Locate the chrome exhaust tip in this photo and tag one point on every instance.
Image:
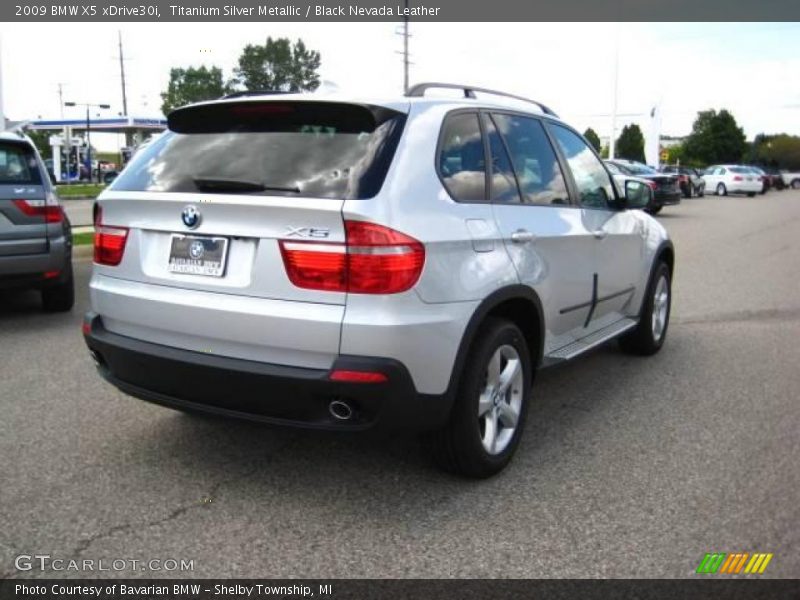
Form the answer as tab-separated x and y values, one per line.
341	410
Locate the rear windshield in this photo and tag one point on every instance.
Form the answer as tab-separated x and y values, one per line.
741	170
309	149
18	164
637	169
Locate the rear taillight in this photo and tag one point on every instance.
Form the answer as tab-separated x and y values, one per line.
373	260
738	178
316	266
49	209
653	185
109	242
683	179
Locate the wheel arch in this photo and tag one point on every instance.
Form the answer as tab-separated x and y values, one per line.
519	304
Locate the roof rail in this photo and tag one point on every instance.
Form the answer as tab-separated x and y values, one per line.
245	93
418	91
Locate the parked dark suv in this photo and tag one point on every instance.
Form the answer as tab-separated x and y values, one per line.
35	235
690	180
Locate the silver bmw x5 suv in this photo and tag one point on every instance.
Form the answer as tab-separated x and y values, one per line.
349	263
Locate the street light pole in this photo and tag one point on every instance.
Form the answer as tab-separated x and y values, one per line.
88	134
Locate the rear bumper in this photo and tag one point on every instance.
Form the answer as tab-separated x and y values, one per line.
269	393
746	188
665	198
28	270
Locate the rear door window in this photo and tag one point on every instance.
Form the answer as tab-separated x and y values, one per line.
309	149
535	163
18	164
503	179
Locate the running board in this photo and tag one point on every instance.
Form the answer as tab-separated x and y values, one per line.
585	344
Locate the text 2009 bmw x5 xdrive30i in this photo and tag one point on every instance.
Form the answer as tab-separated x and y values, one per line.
354	263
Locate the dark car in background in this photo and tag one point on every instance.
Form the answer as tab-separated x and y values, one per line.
35	234
775	178
690	180
666	189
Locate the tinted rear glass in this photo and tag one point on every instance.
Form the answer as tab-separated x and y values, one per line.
18	164
638	169
741	170
310	149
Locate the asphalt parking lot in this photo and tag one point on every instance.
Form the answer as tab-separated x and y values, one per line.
629	467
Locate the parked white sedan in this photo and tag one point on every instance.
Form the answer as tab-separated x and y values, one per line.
732	179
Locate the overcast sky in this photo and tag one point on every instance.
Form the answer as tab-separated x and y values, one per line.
750	68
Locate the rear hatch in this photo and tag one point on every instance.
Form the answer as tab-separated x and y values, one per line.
211	209
23	216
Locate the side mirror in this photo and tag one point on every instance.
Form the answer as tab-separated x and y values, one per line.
637	194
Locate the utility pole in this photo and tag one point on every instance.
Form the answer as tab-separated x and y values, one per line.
405	50
128	138
122	77
61	98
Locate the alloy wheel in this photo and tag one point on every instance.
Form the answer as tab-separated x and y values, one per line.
660	308
500	401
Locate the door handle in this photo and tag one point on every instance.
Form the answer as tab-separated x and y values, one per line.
600	234
522	236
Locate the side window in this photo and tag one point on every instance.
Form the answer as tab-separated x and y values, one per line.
721	171
594	185
461	159
504	184
534	160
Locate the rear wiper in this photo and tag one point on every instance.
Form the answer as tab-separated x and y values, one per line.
224	184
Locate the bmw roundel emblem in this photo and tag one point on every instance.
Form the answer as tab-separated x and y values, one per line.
197	249
191	217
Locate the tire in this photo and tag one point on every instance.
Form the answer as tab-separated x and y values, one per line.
751	194
654	210
721	190
60	297
795	184
702	191
649	335
479	444
689	191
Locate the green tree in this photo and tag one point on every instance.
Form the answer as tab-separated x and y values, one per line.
630	143
715	138
41	139
278	65
775	151
592	137
192	84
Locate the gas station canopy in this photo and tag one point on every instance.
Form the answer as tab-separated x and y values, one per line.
115	125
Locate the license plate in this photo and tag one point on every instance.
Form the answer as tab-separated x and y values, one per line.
194	255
